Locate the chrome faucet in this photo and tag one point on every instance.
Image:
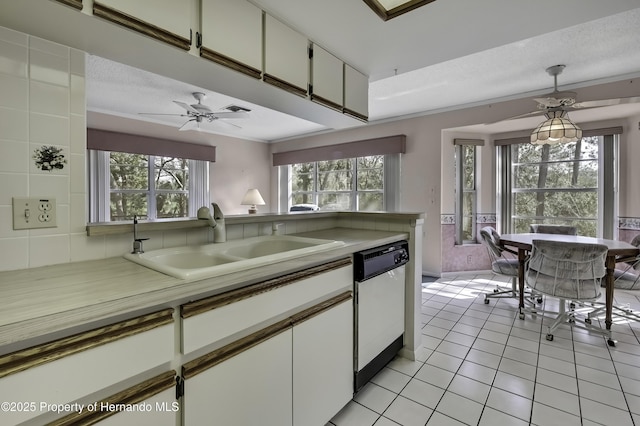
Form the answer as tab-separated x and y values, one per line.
216	222
137	242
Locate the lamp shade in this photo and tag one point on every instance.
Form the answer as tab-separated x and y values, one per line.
557	128
252	198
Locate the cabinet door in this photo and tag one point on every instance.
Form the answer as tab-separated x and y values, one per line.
161	19
327	73
248	389
63	371
232	34
323	365
286	57
159	410
356	93
232	313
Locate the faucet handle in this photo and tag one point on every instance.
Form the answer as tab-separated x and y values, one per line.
276	228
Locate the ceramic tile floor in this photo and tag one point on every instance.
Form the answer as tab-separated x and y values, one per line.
480	364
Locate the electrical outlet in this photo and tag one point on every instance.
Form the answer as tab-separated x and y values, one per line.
30	213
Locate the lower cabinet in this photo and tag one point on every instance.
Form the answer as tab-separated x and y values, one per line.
322	365
250	388
296	372
159	410
36	380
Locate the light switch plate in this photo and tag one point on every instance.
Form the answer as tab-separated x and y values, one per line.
30	213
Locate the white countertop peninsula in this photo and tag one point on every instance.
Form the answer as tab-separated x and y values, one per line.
45	303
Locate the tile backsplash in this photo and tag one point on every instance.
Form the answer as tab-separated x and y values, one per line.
42	105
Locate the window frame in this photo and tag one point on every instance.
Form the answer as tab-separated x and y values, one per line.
607	189
100	191
390	191
461	190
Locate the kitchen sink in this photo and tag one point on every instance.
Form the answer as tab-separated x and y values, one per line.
210	260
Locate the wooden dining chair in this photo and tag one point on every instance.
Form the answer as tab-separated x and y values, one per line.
552	229
570	272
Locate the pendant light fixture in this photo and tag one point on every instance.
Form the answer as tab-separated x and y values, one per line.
557	128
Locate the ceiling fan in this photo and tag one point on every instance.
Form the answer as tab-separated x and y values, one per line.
200	112
558	103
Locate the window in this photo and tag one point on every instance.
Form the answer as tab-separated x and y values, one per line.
571	184
466	197
346	184
154	187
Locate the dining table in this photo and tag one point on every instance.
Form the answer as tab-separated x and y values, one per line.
617	251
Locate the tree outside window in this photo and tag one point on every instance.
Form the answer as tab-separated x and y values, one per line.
556	184
465	164
345	184
149	186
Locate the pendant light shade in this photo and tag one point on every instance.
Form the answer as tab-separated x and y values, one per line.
558	128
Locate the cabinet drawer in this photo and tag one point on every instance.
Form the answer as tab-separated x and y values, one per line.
234	312
70	368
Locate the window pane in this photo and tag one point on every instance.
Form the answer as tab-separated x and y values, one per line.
172	205
128	171
302	198
468	202
467	229
370	172
572	174
335	175
334	181
333	201
125	205
171	173
370	201
469	165
557	204
302	177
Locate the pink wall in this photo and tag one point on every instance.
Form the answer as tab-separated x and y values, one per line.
240	165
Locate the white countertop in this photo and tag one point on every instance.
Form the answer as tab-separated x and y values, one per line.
65	298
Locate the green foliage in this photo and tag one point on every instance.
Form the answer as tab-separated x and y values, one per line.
331	183
131	191
556	184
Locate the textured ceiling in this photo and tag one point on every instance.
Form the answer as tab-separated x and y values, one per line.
449	54
418	62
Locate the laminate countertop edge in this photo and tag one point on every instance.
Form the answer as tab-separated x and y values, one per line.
58	300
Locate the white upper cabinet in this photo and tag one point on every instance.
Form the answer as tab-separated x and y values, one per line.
232	35
286	57
161	19
356	93
327	78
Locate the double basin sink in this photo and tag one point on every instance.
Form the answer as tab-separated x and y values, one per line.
210	260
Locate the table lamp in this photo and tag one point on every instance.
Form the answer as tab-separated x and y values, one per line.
252	198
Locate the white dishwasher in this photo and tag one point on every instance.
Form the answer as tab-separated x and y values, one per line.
379	283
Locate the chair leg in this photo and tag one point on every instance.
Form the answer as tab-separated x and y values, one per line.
565	315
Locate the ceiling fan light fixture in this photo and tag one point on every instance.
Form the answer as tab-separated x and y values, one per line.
557	128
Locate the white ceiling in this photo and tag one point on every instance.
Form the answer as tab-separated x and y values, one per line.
446	55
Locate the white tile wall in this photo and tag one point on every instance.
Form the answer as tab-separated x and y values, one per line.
42	103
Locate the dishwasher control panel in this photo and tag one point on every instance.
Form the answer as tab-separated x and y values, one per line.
378	260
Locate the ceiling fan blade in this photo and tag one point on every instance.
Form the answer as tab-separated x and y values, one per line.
189	125
230	114
156	113
528	114
606	102
187	107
